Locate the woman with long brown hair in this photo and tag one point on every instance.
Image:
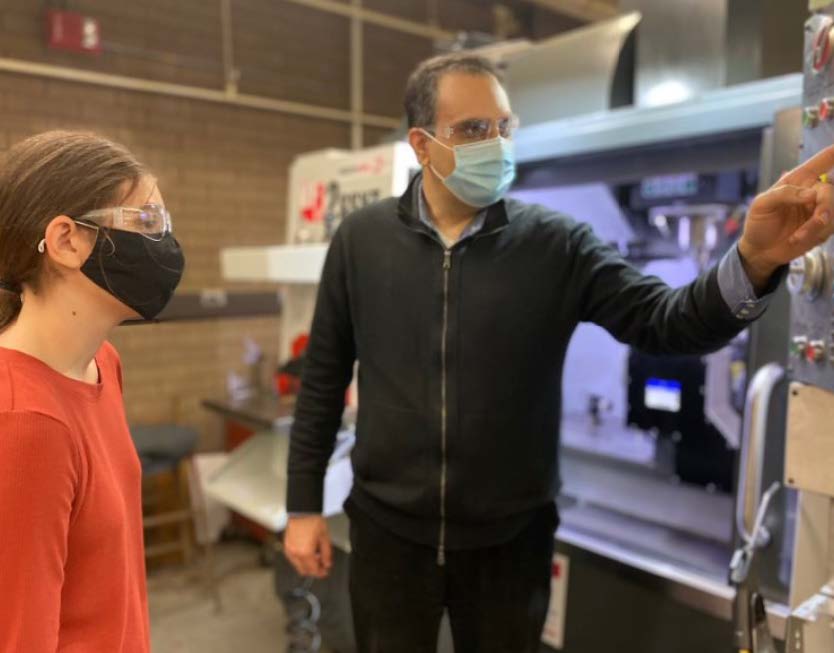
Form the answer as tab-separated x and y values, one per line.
85	244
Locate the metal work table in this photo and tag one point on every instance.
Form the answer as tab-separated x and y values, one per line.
261	411
253	481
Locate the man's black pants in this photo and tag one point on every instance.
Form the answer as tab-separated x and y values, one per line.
497	597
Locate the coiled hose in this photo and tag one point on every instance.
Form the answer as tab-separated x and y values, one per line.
303	613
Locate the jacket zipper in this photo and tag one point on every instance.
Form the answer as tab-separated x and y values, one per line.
447	266
441	547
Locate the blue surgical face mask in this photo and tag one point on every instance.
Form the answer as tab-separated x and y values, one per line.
484	171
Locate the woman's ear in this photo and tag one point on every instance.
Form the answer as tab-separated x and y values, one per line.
67	244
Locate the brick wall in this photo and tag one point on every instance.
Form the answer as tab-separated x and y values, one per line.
222	169
155	39
289	51
385	77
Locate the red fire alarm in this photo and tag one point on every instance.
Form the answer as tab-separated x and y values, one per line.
67	30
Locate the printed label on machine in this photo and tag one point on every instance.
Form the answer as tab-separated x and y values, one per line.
554	626
328	185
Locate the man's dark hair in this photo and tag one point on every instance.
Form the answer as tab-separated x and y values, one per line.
421	89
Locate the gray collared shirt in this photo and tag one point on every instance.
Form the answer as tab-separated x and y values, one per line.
733	282
425	217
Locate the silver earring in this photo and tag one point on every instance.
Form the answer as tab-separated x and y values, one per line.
42	246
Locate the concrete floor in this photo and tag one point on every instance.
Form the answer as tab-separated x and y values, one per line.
183	619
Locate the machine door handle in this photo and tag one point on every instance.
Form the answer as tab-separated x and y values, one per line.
754	432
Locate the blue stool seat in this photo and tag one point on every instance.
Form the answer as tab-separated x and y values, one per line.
161	447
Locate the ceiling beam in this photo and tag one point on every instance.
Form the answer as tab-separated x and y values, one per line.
587	10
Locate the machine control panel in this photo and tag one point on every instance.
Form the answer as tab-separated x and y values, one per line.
811	116
808	275
826	110
811	277
815	351
811	351
822	45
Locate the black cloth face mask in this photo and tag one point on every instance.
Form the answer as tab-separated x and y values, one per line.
141	273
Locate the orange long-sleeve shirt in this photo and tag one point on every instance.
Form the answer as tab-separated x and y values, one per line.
72	568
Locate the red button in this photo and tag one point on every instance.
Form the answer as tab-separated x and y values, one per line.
826	108
822	47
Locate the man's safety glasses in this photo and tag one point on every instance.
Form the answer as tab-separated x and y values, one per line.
479	129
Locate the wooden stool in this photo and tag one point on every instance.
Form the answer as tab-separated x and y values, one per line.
163	450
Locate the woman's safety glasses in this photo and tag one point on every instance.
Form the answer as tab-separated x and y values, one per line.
151	220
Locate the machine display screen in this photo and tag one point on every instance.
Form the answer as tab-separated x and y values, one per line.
669	186
663	394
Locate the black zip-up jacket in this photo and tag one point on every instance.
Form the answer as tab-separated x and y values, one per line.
460	362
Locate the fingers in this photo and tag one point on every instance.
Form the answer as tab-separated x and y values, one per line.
325	552
816	230
300	561
781	195
822	162
307	547
824	195
308	564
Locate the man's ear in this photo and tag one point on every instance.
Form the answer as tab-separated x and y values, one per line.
419	142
